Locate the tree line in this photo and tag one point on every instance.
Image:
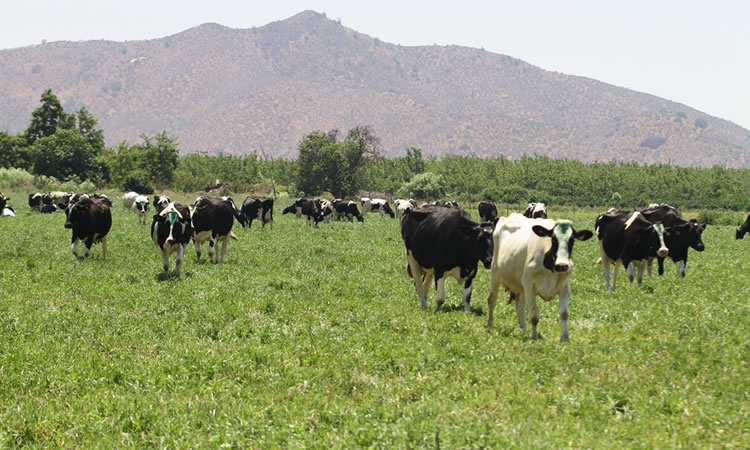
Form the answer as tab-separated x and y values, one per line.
69	147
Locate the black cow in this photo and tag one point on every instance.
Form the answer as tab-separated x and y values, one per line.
536	210
294	209
160	202
628	237
744	228
487	211
90	219
347	209
444	242
257	208
212	220
680	234
171	231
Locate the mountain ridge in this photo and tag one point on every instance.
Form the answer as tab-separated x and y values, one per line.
229	90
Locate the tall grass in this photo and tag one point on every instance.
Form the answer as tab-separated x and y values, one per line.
314	338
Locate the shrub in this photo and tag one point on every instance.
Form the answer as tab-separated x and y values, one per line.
138	183
14	178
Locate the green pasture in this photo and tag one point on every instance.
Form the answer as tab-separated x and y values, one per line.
314	338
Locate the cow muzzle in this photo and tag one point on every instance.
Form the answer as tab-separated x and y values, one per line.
562	267
700	247
662	252
68	225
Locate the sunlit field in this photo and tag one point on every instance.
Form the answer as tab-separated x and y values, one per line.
314	338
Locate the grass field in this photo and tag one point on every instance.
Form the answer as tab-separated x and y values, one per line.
314	338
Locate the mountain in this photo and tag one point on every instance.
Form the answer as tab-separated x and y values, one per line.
236	91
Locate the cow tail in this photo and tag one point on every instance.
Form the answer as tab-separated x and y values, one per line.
233	236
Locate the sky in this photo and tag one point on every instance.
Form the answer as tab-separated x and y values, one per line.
695	52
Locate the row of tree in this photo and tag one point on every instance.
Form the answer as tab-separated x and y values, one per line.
70	147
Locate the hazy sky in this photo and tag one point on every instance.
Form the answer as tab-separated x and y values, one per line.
696	52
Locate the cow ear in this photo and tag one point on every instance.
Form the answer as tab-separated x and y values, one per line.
541	231
584	235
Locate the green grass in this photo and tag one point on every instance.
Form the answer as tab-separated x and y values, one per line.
314	338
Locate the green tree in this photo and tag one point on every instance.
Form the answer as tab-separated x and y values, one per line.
66	154
159	158
14	152
47	119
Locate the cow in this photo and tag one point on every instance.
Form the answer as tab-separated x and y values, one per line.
212	219
90	219
487	211
171	231
60	199
257	208
101	197
402	206
532	257
294	209
444	203
680	234
346	209
35	201
744	228
376	205
160	202
444	242
5	210
128	199
536	210
627	237
140	208
326	209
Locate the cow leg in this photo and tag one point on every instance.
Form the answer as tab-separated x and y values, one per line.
649	263
467	293
225	241
416	273
683	263
614	275
605	264
661	266
104	248
212	247
492	300
427	281
533	311
439	292
197	249
564	300
178	260
165	261
74	246
641	265
87	245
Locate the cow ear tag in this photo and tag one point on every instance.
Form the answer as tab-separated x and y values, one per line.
172	217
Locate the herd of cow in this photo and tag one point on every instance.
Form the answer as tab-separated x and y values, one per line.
528	254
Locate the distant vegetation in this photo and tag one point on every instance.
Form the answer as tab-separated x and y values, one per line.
60	148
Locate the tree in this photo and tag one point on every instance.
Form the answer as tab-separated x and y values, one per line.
14	152
160	157
66	154
47	119
86	124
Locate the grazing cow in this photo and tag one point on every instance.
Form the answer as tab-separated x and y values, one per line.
257	208
212	219
346	209
402	206
533	257
161	202
487	211
90	219
744	228
128	199
444	242
536	210
680	234
627	237
140	207
293	208
171	231
376	205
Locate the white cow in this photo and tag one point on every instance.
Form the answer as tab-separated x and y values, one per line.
532	257
128	199
140	208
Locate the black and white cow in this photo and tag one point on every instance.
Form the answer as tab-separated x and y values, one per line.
536	210
444	242
35	201
60	199
257	208
90	219
161	202
744	228
487	211
680	234
293	209
629	238
402	206
101	197
5	209
532	257
346	209
140	207
376	205
171	231
212	219
326	210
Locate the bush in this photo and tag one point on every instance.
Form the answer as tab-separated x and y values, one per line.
137	183
14	178
425	185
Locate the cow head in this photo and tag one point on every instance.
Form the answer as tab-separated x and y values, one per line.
78	212
3	201
178	225
563	235
689	232
482	237
142	206
745	228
